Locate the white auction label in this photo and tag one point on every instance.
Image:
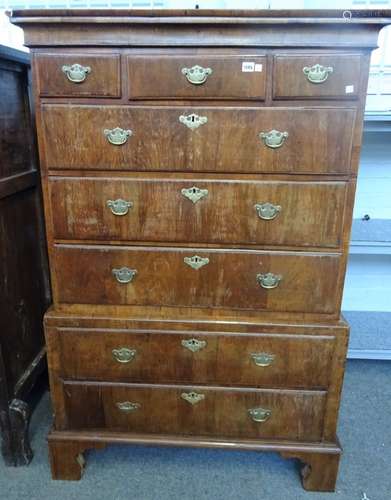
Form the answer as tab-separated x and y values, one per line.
258	67
349	89
248	67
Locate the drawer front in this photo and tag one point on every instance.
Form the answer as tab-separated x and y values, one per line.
195	410
317	76
221	140
196	76
198	210
271	281
287	361
77	75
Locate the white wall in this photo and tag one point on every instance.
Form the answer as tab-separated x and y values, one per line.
10	35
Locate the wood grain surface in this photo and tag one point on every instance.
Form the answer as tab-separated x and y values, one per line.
298	361
290	81
310	213
104	79
222	412
85	275
319	140
136	83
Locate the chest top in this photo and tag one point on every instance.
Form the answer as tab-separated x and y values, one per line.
183	28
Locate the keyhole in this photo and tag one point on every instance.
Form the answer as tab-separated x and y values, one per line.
193	119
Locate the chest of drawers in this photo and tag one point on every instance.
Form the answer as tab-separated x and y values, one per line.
199	173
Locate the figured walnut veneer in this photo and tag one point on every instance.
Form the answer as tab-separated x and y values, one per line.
198	232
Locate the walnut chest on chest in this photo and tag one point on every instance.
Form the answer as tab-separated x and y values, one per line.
199	170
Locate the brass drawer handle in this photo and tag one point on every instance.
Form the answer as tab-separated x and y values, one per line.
76	73
259	414
124	274
267	211
124	354
194	193
273	139
117	136
269	280
196	262
317	73
193	345
262	359
197	75
193	121
192	397
128	406
119	207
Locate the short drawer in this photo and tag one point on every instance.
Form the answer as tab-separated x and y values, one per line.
175	138
317	76
201	76
204	210
78	75
255	360
238	279
195	410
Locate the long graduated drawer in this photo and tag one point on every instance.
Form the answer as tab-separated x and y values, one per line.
223	358
199	210
195	410
239	279
204	139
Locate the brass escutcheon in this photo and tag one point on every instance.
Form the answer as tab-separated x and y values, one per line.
193	121
76	73
197	75
196	262
259	414
193	345
119	207
269	280
124	354
267	211
194	193
317	73
262	359
192	397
